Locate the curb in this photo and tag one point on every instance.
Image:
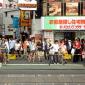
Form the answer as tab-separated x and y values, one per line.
43	67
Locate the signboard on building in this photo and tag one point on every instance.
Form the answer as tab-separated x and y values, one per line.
1	4
27	4
24	19
63	23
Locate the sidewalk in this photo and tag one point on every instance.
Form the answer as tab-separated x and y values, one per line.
43	67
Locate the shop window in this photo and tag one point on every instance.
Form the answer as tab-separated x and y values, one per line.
69	35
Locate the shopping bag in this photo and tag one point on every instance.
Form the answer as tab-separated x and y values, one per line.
67	56
12	56
72	51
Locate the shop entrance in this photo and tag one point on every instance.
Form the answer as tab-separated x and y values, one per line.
62	35
58	35
69	35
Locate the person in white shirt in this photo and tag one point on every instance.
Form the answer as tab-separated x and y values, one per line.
54	52
56	49
12	45
7	45
17	48
32	47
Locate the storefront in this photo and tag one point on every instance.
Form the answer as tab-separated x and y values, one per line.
27	10
61	27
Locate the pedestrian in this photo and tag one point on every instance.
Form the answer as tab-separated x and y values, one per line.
64	52
83	55
7	46
77	46
32	46
45	48
39	50
25	45
51	53
3	51
56	49
12	45
17	48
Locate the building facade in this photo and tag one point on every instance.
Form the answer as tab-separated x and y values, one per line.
63	9
31	20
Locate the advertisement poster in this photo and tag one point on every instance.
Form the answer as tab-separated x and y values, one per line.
54	8
71	9
71	0
49	1
83	8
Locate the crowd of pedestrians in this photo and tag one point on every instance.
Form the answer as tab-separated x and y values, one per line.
59	51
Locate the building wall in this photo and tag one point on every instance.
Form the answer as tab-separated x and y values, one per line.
7	20
1	19
73	8
36	26
7	4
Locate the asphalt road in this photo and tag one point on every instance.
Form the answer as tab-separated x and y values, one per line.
42	77
68	74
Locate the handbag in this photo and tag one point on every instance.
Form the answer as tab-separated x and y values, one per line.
72	51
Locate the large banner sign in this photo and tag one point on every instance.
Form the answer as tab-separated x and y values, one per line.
27	4
1	4
63	23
